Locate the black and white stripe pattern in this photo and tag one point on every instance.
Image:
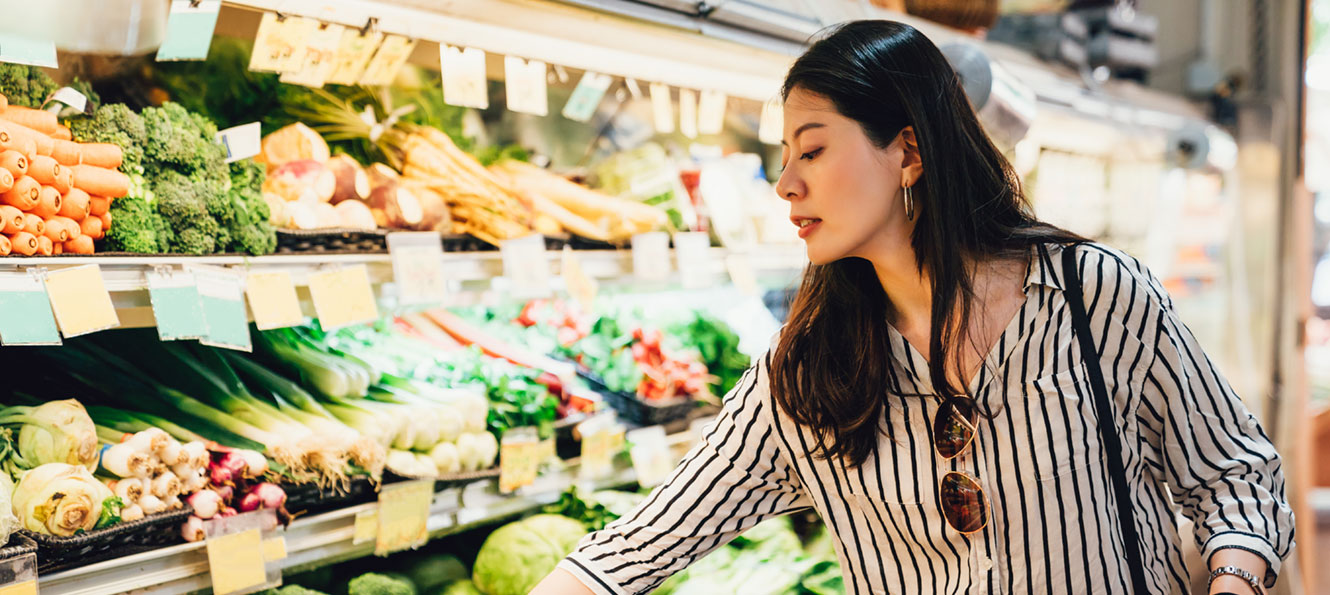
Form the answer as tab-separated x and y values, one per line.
1187	439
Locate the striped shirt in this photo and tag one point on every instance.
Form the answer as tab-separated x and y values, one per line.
1188	444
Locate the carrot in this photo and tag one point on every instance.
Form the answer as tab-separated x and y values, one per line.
23	194
79	245
101	181
92	226
98	205
12	220
34	225
24	243
14	137
45	246
57	230
106	221
5	246
49	202
75	204
63	133
70	226
4	102
102	155
41	121
42	168
6	180
64	180
67	152
57	247
43	145
15	162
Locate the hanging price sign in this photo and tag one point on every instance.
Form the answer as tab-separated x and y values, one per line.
279	43
222	296
417	266
80	300
403	516
241	142
688	113
526	266
586	96
519	459
343	297
176	304
464	82
353	55
580	285
651	256
189	30
711	112
524	83
392	54
17	49
237	553
662	108
273	300
25	311
319	57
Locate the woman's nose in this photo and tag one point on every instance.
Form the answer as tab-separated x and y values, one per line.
789	186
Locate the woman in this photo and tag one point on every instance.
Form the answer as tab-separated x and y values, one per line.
974	464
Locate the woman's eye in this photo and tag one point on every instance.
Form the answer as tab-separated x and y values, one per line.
811	154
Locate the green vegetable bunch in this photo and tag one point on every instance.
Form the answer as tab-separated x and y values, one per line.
23	85
718	347
373	583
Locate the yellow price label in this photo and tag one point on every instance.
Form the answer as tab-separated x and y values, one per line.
235	561
274	549
273	301
80	301
597	455
343	297
28	587
367	526
518	464
580	285
403	516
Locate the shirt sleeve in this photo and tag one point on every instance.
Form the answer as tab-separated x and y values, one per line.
1221	466
735	478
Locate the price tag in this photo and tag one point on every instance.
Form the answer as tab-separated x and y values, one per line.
392	54
24	50
586	96
740	267
71	98
651	256
80	300
189	30
693	251
599	439
319	57
274	549
526	266
353	55
367	527
711	112
235	561
634	90
278	44
18	576
417	267
580	285
464	82
273	301
688	113
652	461
771	126
25	311
524	83
403	515
662	108
241	142
343	297
519	459
176	305
222	295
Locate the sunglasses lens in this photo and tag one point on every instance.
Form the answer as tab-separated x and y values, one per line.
963	503
953	427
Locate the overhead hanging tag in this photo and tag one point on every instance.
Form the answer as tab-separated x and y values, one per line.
662	108
688	113
189	30
277	44
524	82
354	53
711	112
464	82
770	126
23	50
319	57
392	54
587	96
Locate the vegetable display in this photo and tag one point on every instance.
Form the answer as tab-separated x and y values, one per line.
516	556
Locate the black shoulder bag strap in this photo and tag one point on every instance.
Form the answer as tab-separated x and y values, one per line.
1107	427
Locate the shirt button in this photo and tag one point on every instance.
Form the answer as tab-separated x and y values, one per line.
1251	423
986	564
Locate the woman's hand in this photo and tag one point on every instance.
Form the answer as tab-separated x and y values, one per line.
561	582
1243	559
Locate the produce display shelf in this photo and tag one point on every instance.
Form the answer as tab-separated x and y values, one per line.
125	280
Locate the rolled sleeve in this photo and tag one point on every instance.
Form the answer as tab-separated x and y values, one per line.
735	478
1221	466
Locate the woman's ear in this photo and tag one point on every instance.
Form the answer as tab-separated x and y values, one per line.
912	165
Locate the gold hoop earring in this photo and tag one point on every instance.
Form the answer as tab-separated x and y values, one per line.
909	203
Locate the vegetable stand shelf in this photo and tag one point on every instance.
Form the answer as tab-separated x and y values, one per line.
327	538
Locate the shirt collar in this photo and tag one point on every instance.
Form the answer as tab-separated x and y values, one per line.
1044	267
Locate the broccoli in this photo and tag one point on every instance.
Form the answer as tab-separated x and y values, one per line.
183	202
118	125
184	140
293	590
247	225
135	227
24	85
379	584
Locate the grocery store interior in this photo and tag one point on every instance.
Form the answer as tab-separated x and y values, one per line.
408	296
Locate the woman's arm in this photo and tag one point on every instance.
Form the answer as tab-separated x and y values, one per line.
1242	559
733	479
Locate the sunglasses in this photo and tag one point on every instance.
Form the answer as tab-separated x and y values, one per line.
964	504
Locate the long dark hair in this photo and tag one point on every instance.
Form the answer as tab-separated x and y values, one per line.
830	370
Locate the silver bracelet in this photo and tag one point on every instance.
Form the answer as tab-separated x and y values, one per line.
1240	573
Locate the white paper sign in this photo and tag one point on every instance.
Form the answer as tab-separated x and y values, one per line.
241	142
772	124
662	108
278	44
688	113
711	112
464	82
693	251
651	256
524	82
71	98
353	55
319	58
526	267
417	267
586	96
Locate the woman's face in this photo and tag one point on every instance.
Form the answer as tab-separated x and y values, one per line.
844	191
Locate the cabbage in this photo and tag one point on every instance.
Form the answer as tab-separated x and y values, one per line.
518	555
462	587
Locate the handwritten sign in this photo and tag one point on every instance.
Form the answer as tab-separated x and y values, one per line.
343	297
417	267
279	41
392	54
319	57
273	300
464	82
524	83
403	515
353	55
519	459
662	108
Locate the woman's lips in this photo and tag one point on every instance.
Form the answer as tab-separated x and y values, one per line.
807	227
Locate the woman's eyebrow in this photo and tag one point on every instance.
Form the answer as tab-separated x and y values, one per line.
801	129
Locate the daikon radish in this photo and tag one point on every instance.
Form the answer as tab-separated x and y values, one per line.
49	203
76	204
100	181
24	243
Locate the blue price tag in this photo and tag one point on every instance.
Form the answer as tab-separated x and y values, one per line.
176	305
25	311
586	96
222	298
189	30
23	50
